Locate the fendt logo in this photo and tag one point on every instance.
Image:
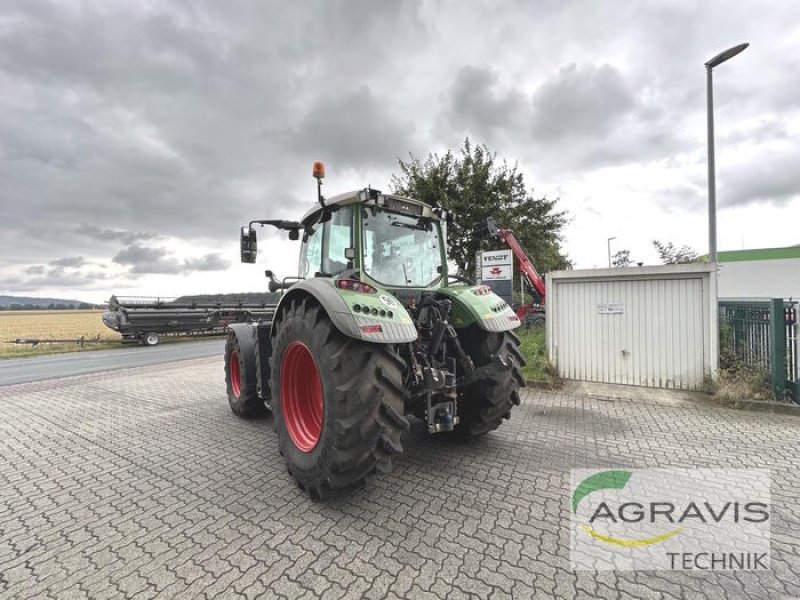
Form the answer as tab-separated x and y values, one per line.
495	270
671	519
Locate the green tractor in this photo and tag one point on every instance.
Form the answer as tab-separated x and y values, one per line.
372	329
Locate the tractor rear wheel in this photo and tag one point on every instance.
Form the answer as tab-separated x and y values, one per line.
485	403
338	401
240	372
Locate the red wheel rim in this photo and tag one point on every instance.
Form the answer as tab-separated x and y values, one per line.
236	375
301	396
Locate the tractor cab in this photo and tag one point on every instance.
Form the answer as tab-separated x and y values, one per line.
388	241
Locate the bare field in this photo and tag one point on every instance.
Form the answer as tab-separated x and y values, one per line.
52	324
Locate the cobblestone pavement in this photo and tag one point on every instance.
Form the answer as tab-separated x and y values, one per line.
142	483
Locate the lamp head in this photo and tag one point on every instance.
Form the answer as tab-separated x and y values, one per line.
726	55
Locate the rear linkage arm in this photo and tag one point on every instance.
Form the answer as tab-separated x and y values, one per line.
437	380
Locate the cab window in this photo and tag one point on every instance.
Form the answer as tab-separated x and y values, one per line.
311	254
401	250
338	236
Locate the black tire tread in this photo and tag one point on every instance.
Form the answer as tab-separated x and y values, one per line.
365	381
487	402
248	404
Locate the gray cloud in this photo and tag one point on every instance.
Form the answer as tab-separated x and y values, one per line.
157	260
585	101
143	259
475	103
353	128
144	121
209	262
91	280
114	235
773	179
582	117
682	196
69	262
67	272
767	130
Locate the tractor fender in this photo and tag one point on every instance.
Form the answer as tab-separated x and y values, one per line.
338	304
487	310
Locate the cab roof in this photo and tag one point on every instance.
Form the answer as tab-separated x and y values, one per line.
372	197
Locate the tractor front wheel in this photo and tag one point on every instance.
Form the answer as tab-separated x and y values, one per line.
338	401
485	403
240	372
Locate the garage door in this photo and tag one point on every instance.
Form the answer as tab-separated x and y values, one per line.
647	332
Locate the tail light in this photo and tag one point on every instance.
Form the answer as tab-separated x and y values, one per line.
355	286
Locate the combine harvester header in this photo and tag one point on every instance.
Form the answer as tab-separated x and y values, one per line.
146	319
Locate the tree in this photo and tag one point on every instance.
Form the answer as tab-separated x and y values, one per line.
670	255
475	185
622	258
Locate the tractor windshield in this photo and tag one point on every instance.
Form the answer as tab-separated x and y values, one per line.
401	250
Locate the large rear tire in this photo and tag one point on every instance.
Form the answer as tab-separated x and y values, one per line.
240	372
484	404
338	401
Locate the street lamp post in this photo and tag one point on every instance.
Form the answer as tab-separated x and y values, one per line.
609	250
712	186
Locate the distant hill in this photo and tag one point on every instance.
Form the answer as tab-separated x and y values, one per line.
32	303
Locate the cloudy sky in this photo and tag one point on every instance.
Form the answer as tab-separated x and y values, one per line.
135	137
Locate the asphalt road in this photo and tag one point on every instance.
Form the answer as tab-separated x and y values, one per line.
29	369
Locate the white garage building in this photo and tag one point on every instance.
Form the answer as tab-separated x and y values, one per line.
760	273
648	326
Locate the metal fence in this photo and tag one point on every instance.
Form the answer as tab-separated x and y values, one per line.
792	357
763	334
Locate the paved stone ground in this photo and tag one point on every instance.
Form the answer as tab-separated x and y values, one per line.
142	484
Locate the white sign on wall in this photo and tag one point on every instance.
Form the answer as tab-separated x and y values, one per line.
611	308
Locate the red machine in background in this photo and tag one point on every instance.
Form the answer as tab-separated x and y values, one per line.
531	314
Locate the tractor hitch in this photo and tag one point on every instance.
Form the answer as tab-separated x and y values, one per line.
441	415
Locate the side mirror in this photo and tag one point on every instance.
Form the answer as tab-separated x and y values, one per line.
248	245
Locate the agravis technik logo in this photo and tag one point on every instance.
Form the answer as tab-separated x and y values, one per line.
670	519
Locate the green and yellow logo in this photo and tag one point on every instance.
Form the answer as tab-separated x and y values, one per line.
610	480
